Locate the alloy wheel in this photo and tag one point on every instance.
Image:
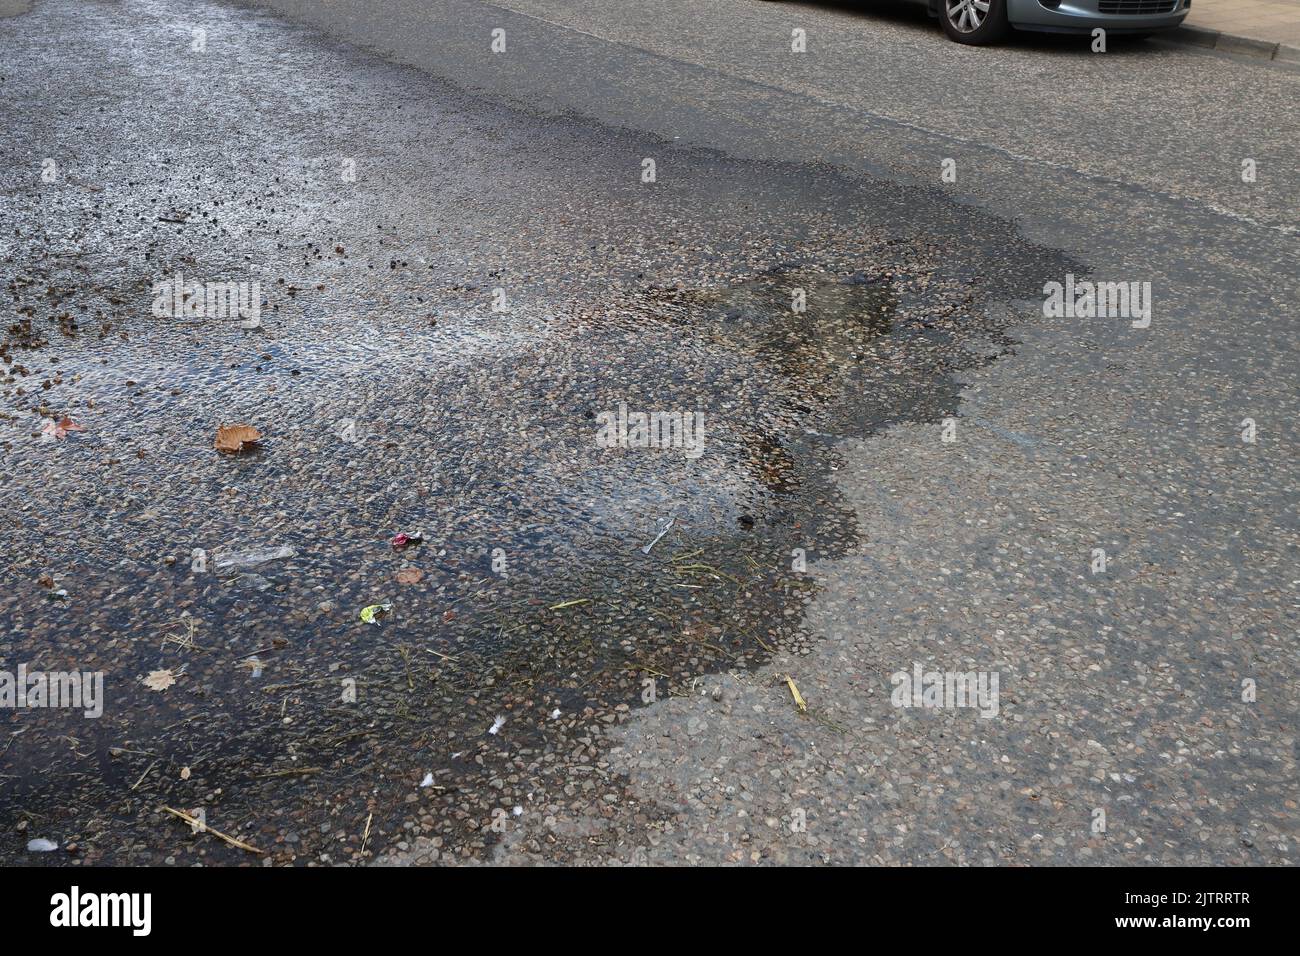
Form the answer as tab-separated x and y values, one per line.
967	16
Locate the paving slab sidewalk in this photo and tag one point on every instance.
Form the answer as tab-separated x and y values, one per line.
1269	29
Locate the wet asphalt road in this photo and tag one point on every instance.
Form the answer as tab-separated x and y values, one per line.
393	397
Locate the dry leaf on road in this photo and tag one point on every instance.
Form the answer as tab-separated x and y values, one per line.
60	429
160	680
232	439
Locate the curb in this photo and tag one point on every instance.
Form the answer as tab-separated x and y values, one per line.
1231	43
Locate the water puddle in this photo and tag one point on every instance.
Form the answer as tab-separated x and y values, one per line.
531	591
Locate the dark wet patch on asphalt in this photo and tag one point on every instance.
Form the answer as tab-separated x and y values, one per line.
393	398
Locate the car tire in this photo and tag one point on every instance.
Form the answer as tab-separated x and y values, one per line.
965	22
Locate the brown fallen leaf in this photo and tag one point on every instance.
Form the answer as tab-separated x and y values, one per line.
232	439
60	429
409	576
160	680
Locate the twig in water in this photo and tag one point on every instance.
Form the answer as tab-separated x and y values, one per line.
709	569
287	773
145	774
275	645
562	604
204	828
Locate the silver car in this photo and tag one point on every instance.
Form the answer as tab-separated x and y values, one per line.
984	21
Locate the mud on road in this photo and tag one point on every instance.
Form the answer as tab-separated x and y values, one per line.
392	396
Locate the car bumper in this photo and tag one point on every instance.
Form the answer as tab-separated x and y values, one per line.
1083	16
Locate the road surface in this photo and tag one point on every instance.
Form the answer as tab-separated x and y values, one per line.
465	258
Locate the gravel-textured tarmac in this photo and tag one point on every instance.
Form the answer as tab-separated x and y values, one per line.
1119	691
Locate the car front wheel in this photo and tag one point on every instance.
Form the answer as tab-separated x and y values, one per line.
974	21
